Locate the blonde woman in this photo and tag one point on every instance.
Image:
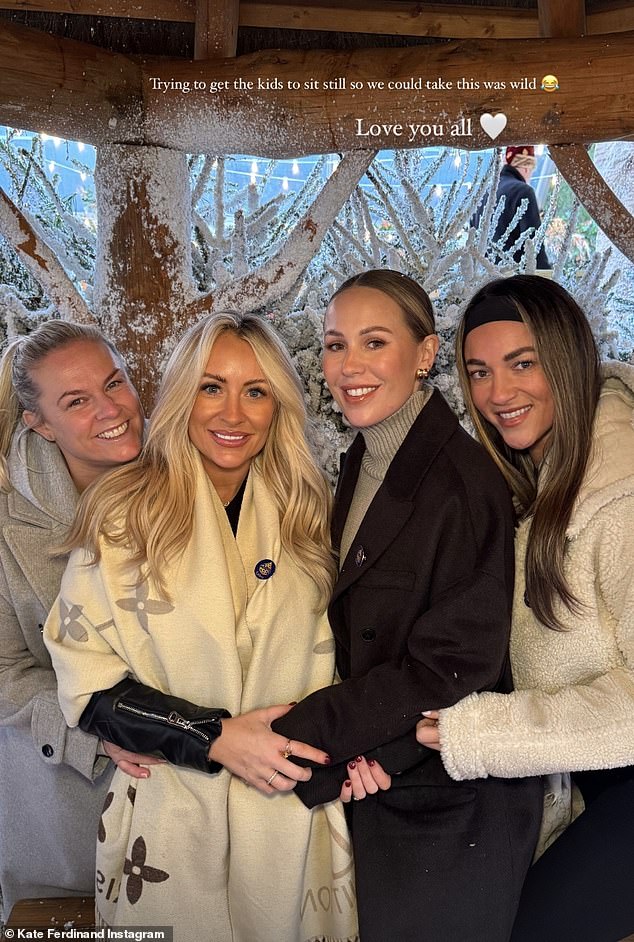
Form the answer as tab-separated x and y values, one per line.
200	575
69	413
421	616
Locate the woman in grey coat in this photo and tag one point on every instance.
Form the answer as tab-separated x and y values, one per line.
69	413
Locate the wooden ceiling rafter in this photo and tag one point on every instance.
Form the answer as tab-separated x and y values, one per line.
398	17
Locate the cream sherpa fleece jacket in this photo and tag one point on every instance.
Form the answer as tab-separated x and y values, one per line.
573	707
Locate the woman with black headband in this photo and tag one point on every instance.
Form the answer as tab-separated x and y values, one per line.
421	617
560	426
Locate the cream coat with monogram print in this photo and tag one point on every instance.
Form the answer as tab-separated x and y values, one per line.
217	860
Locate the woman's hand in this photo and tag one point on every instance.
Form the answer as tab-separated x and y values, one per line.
364	778
427	730
249	748
132	763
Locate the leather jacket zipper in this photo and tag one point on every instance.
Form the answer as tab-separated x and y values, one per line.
172	719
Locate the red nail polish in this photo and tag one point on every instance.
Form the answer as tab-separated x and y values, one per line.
293	703
352	765
371	762
359	759
327	760
348	784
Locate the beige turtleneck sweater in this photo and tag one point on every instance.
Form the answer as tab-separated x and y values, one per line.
382	441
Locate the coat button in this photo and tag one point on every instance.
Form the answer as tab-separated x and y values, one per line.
368	634
48	751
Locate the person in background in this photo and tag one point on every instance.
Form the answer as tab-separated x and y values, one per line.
514	186
69	413
561	429
420	611
200	575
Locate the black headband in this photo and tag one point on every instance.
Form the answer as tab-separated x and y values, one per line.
489	309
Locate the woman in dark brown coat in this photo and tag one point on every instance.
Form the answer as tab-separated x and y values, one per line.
421	615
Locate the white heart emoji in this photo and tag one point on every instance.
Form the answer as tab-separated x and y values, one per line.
493	124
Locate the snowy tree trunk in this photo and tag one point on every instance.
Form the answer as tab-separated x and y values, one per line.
143	276
615	161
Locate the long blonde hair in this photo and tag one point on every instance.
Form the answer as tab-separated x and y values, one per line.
148	505
569	358
18	388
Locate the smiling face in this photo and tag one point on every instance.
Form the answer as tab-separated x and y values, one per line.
88	407
508	385
232	413
371	356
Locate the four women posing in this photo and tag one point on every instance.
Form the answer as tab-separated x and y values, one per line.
199	571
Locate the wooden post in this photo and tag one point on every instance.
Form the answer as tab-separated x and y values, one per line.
216	30
563	18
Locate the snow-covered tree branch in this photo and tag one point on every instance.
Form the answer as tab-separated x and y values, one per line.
25	237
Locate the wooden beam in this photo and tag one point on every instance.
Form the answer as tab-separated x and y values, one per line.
564	18
287	103
216	33
453	21
397	17
601	202
618	18
182	12
85	92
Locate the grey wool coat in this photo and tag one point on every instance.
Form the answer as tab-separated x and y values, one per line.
51	789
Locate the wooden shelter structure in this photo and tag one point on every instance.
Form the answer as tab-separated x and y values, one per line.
149	81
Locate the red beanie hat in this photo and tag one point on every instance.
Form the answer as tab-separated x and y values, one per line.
524	150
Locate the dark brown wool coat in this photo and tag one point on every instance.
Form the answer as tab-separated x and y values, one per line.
421	618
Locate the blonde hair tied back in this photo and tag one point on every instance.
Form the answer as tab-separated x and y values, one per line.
19	391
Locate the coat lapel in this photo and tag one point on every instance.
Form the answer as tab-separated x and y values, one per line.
393	503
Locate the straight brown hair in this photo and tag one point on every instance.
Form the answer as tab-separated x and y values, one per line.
569	358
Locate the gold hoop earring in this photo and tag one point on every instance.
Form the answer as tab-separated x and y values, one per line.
422	373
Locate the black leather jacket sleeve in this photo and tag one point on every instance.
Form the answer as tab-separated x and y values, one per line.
141	719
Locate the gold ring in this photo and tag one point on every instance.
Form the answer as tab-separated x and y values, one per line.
287	751
269	780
